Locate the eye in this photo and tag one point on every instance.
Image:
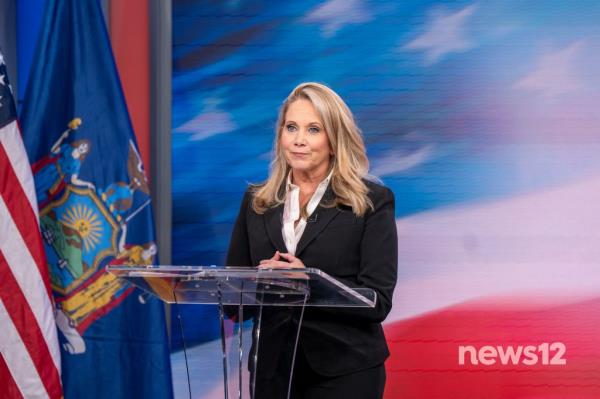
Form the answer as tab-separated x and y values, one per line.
291	128
314	130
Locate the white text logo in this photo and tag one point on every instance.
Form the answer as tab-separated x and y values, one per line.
528	355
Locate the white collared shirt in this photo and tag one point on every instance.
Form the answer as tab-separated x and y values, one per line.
291	211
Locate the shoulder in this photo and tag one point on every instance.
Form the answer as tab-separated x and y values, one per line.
248	198
378	193
249	193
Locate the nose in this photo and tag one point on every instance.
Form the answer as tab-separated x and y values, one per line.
300	138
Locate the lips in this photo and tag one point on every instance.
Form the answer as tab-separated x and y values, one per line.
300	154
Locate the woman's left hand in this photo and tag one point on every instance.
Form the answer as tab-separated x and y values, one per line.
281	261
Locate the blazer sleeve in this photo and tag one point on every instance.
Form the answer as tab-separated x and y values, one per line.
239	246
378	260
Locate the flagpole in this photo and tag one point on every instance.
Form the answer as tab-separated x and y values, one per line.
160	123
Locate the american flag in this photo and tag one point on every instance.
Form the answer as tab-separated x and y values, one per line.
29	352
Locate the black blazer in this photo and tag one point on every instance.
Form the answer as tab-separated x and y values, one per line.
358	251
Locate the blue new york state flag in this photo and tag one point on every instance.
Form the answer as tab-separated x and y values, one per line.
95	210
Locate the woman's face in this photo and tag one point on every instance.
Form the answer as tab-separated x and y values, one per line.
83	148
304	140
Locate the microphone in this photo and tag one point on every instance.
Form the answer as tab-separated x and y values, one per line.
312	218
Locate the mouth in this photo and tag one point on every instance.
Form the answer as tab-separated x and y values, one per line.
299	154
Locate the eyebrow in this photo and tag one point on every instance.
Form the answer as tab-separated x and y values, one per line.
309	124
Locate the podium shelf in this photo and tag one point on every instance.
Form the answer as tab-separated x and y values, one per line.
245	286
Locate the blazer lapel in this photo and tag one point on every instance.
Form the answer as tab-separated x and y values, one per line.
319	219
273	218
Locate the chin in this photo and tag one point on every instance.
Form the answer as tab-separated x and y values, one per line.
297	168
299	165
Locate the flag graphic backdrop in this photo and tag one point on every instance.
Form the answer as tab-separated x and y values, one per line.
29	354
481	116
95	210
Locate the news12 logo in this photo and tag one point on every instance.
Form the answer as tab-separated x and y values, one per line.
529	355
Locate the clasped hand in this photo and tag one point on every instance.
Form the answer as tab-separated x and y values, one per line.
281	261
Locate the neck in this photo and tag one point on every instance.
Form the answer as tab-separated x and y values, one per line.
308	179
308	183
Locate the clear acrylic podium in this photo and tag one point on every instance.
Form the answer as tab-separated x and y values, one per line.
273	299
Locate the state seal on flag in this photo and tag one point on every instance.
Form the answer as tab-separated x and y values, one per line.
84	229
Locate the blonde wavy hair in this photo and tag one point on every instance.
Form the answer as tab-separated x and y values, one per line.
349	160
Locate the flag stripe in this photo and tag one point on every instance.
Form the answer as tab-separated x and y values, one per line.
17	358
11	140
30	355
29	280
17	201
23	322
9	386
22	242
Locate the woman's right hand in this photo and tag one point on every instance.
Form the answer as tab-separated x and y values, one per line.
281	261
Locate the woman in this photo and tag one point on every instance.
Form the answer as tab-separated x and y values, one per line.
62	166
317	209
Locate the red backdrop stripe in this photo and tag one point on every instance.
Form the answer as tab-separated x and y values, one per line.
129	31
